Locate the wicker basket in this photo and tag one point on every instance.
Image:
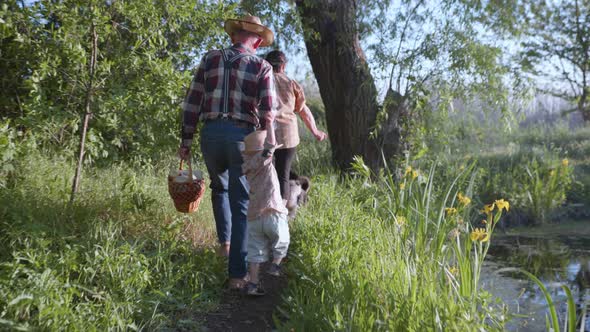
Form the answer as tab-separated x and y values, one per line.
186	195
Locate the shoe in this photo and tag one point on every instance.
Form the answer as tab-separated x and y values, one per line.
253	289
274	270
236	283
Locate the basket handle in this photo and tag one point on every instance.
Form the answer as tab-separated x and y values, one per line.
190	168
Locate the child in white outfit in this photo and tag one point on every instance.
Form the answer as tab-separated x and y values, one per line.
268	228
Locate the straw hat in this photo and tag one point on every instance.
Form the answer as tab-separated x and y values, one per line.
255	141
252	24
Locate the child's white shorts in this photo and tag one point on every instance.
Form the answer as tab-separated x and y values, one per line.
269	232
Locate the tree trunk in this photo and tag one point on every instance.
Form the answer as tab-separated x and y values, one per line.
582	107
345	82
87	111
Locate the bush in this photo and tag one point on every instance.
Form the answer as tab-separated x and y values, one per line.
11	147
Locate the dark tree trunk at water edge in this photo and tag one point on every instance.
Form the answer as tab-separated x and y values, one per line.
345	82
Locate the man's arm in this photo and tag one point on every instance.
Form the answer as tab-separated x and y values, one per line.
191	108
267	106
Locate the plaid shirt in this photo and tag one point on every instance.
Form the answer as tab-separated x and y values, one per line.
251	90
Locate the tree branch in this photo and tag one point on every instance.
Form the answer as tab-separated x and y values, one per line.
402	39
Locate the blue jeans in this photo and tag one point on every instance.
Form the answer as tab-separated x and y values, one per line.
222	143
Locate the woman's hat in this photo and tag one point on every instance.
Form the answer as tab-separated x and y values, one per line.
252	24
255	141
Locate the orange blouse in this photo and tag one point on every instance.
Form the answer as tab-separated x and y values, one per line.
291	101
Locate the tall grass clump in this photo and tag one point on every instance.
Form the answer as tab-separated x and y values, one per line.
119	258
536	181
392	252
541	169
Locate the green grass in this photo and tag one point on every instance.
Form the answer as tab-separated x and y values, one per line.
368	253
370	256
119	258
577	228
526	166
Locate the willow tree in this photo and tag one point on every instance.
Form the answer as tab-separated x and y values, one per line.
430	48
381	64
556	48
345	81
553	43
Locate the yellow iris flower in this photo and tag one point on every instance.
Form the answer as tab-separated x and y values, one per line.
408	170
502	204
479	234
463	199
485	237
414	174
488	208
565	162
450	211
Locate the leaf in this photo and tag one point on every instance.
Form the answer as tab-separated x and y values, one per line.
14	326
571	310
20	298
552	311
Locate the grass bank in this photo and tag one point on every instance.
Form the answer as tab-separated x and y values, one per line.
400	251
119	258
394	254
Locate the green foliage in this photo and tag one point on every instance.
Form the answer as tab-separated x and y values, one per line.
15	53
571	144
384	257
8	150
12	147
120	258
536	182
540	169
145	52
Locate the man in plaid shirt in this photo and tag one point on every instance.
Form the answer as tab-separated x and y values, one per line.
233	93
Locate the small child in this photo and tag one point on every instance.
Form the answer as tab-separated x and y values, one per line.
268	228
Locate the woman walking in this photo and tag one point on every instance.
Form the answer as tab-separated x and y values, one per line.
291	101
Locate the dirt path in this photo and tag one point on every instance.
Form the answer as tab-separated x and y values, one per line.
238	312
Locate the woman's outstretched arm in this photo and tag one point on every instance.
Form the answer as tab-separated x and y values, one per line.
309	121
305	114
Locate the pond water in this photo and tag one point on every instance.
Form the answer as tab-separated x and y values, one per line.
555	260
